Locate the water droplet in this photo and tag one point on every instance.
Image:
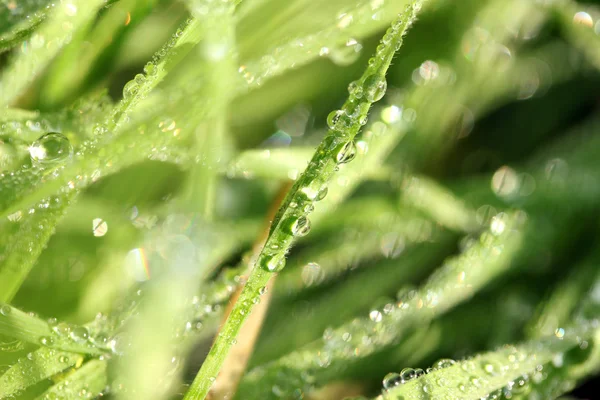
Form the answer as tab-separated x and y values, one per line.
333	118
322	193
375	316
443	363
583	18
51	148
391	380
311	274
375	87
130	89
5	310
274	264
99	227
262	290
301	226
79	334
408	374
46	341
346	153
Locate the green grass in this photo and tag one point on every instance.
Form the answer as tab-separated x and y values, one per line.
261	199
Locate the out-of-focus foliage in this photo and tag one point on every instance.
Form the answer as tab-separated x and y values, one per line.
146	144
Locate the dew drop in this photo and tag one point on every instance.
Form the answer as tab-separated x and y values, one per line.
443	363
375	316
51	148
79	334
333	118
408	374
346	153
391	380
273	264
322	193
375	87
5	310
99	227
301	227
130	89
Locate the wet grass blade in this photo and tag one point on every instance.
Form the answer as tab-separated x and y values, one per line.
47	41
337	148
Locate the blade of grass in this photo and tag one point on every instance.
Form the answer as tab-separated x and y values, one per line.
489	372
337	147
22	326
72	67
14	28
89	381
38	51
37	366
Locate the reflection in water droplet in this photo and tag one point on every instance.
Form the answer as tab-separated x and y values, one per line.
346	153
99	227
391	380
50	149
583	18
311	274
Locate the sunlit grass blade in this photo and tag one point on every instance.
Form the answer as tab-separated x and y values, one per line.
39	365
438	203
504	372
17	26
278	163
47	41
88	381
22	326
373	229
24	236
291	221
72	67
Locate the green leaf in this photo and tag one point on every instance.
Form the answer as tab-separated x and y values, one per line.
23	237
499	371
18	20
338	147
37	366
88	381
22	326
39	50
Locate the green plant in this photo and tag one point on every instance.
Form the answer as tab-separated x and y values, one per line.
136	228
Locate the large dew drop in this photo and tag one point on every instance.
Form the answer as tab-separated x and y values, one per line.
273	264
51	148
375	87
391	380
301	226
346	153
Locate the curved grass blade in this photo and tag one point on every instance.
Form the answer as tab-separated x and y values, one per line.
89	381
338	147
378	230
37	366
498	373
439	203
39	50
22	326
73	66
24	236
18	21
